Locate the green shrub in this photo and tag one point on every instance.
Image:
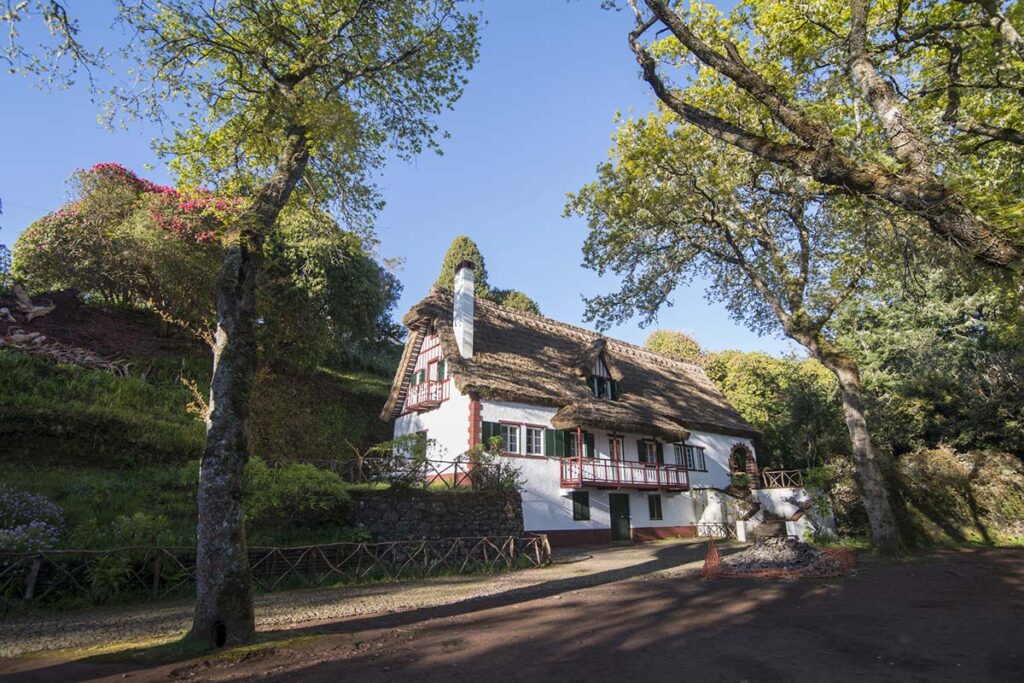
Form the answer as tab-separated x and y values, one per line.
296	501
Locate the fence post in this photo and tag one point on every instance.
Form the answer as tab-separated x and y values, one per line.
155	589
30	580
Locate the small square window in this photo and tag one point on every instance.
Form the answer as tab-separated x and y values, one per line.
510	438
654	506
580	505
534	441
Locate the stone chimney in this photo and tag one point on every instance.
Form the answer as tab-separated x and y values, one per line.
462	310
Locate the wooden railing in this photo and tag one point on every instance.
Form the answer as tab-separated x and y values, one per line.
716	530
412	472
77	578
427	395
578	472
781	479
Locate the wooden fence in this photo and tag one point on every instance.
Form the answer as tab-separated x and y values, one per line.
716	530
78	577
418	473
784	479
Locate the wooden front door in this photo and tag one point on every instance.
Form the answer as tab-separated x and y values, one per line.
618	505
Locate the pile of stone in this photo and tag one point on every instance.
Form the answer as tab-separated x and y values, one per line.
780	557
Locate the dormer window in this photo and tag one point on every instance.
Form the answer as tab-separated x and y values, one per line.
601	383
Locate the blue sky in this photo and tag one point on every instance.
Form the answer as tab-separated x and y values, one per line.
535	121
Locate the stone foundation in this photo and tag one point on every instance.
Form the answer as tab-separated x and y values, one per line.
411	514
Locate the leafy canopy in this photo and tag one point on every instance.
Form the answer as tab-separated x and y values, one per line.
675	344
462	249
243	80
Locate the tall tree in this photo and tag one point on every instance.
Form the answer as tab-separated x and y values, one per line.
462	249
675	344
284	102
674	204
916	103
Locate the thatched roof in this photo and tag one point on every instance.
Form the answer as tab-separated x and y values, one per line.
530	359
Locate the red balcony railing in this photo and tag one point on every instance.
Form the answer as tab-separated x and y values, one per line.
578	472
427	395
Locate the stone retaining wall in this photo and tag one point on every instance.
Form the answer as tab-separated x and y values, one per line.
413	514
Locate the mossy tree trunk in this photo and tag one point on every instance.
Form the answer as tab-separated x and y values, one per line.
224	597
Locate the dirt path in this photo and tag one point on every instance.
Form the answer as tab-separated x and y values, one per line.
84	628
955	615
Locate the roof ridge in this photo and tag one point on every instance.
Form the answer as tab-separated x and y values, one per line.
592	334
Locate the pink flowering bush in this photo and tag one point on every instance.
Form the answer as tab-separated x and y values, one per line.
126	240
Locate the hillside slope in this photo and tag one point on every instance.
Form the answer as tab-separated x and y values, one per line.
61	413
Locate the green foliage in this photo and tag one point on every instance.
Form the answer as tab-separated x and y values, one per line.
951	497
242	80
793	402
64	413
674	344
964	78
6	278
124	240
293	495
495	473
462	249
108	576
942	357
516	300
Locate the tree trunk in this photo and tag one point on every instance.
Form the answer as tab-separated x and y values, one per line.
224	603
885	534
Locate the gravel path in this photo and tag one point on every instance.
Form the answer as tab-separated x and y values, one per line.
573	569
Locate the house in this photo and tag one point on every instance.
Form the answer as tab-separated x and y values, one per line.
614	442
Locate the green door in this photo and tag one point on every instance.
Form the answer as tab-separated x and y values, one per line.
618	504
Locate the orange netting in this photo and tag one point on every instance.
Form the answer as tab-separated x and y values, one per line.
832	562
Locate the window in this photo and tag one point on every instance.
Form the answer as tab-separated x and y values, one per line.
510	438
650	452
534	441
654	506
572	448
603	387
691	457
615	447
580	505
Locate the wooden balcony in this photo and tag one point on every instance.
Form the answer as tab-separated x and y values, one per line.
427	395
600	473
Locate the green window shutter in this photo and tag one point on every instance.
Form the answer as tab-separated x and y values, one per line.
440	369
641	450
614	388
549	442
660	450
489	431
588	445
581	505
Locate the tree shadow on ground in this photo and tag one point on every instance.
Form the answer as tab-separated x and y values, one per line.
954	616
668	557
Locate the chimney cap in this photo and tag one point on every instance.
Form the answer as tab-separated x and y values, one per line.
465	264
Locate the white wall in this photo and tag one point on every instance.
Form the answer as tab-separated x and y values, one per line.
774	501
547	506
447	425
